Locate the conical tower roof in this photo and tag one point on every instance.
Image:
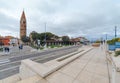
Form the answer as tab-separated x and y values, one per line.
23	15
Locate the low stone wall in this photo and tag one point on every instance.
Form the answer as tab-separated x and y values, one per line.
12	79
33	72
114	60
96	44
30	68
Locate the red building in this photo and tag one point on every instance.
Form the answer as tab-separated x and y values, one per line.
4	41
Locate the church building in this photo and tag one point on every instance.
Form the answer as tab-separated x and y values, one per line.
23	25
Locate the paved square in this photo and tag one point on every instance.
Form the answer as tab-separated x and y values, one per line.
89	68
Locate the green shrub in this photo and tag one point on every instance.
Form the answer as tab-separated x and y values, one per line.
59	46
98	41
52	46
41	48
117	53
1	49
112	42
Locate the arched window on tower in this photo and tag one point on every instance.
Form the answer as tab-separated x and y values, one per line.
24	22
24	25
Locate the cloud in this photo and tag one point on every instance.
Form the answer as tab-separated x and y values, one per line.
90	18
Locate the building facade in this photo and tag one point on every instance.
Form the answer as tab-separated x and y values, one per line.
4	41
23	25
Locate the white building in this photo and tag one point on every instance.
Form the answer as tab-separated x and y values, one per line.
13	41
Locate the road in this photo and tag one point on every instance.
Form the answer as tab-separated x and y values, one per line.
10	65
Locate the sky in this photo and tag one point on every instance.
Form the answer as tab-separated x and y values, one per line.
88	18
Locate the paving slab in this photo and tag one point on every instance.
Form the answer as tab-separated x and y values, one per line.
89	68
99	79
59	77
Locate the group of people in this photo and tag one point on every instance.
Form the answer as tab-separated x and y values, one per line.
7	49
20	47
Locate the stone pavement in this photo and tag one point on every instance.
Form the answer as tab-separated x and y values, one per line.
14	51
114	67
27	50
90	68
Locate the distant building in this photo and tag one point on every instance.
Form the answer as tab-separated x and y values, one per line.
79	40
4	41
23	25
14	41
8	40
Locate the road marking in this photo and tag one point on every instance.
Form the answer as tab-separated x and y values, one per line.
14	67
28	58
32	58
38	59
4	61
51	50
19	65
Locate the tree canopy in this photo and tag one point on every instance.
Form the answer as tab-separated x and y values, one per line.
113	41
25	39
65	38
41	36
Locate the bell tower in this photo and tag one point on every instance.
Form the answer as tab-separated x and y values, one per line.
23	25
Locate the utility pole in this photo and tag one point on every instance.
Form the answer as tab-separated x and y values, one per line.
115	31
106	46
45	35
106	37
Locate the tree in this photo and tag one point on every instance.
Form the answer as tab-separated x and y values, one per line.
25	39
112	42
49	36
35	35
65	38
98	41
41	36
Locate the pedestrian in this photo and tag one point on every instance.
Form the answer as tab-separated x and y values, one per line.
19	47
5	49
8	49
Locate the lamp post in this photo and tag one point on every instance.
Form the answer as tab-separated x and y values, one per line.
115	31
106	37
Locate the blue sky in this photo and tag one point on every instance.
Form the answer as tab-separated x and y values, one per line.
89	18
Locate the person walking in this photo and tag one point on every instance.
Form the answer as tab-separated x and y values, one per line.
19	47
8	49
5	49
